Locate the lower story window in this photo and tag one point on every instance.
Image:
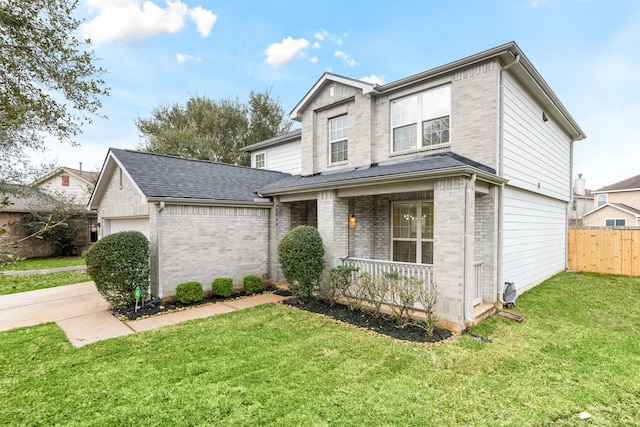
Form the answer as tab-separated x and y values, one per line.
615	222
413	232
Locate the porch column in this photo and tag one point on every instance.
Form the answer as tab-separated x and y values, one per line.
453	238
333	225
279	225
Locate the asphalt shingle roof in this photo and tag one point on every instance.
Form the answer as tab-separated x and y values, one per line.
175	177
627	184
426	163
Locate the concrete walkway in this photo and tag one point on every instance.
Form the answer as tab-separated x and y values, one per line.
50	270
83	314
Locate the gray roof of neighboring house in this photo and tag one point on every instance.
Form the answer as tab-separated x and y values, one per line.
280	139
632	183
160	176
27	199
434	163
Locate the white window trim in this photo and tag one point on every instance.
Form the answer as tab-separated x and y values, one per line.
255	162
331	141
418	123
417	239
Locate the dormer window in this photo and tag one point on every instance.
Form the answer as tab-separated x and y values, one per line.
338	144
421	120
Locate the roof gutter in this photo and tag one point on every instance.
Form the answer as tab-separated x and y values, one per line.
467	171
257	202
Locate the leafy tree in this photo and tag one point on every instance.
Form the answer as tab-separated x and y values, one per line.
206	129
49	82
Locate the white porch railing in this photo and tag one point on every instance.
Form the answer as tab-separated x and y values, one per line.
422	272
478	274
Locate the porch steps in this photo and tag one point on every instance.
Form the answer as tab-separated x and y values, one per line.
483	311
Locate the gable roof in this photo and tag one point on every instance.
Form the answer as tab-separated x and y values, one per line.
628	184
433	165
292	136
296	113
27	199
509	54
88	178
160	177
618	206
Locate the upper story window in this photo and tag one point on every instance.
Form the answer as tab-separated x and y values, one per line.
421	120
602	199
260	160
338	144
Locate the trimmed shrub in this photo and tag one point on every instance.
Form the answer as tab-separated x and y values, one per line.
118	263
253	284
189	292
300	253
222	286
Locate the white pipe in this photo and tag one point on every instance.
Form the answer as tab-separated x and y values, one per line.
468	251
159	248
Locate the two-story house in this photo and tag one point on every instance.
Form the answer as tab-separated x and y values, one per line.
616	205
460	175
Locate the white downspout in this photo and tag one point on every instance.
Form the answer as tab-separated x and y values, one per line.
500	254
159	248
468	251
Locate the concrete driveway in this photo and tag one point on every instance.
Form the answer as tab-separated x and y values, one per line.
78	309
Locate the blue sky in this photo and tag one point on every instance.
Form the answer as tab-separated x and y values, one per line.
161	52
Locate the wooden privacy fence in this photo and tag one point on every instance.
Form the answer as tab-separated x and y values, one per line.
605	250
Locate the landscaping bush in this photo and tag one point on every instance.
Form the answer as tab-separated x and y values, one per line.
189	292
118	263
300	253
222	286
253	284
338	281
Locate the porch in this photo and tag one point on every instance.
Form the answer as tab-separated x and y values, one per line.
424	273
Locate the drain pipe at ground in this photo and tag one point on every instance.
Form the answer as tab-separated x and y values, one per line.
159	249
468	251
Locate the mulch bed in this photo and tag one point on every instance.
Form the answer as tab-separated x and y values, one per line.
366	320
352	316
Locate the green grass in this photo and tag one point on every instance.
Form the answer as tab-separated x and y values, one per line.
578	350
44	263
31	282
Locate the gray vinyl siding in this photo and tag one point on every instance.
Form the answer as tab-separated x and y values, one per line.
537	154
535	237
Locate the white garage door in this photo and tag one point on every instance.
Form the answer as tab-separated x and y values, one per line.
130	224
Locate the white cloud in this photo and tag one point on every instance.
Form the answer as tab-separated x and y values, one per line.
373	79
183	58
313	60
289	49
320	35
346	59
316	45
204	19
134	20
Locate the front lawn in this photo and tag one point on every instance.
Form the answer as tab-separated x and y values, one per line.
31	282
578	350
44	263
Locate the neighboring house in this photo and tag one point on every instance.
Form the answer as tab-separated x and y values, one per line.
73	187
64	186
582	201
616	205
24	200
461	174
